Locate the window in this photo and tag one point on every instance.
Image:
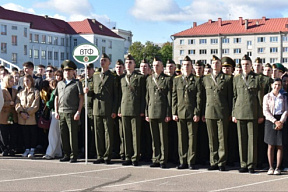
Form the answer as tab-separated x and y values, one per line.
62	41
191	41
25	49
30	53
285	60
237	40
181	52
193	61
55	40
55	55
202	51
43	54
285	38
225	40
14	27
225	51
273	49
96	41
14	57
273	60
237	50
214	51
103	50
103	41
273	39
263	60
285	49
14	40
181	41
237	61
261	39
30	38
249	53
50	55
62	56
261	50
25	32
3	47
36	38
3	29
202	41
110	45
214	41
49	39
75	42
249	43
204	61
43	39
36	53
191	52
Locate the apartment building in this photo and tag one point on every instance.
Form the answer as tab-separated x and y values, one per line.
266	38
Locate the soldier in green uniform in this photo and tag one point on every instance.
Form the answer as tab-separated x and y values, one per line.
218	107
132	108
275	72
247	113
178	69
68	106
186	109
158	112
207	69
238	69
267	70
199	68
105	105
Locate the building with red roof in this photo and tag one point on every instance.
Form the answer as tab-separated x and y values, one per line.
266	38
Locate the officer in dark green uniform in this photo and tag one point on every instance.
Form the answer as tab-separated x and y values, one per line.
132	108
68	106
219	94
186	109
105	105
238	69
247	112
207	69
199	68
158	112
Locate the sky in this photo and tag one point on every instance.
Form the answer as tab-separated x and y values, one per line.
151	20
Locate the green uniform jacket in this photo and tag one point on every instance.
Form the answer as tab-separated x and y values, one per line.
105	94
90	96
266	83
247	100
133	95
218	97
186	97
158	98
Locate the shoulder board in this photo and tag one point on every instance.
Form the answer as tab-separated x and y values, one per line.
237	75
207	74
198	77
114	74
178	76
97	72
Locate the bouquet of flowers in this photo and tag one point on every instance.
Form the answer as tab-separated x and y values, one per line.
10	118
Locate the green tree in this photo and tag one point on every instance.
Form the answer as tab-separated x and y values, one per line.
136	50
150	51
166	51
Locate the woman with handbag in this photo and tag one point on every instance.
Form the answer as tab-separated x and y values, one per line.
275	110
27	104
8	117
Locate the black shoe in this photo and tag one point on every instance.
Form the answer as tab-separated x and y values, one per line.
163	165
192	166
98	161
222	168
155	165
213	167
108	162
5	153
182	166
135	163
65	159
243	170
251	170
123	158
127	162
73	160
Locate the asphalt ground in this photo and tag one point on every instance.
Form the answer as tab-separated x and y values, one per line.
23	174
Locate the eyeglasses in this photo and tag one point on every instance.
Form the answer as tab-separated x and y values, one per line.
49	71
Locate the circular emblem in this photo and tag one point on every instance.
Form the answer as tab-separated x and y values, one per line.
86	59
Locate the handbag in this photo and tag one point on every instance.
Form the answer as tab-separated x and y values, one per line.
44	120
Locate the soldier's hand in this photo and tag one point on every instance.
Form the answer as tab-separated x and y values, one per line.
119	114
77	116
234	120
203	118
167	119
260	120
85	90
196	118
175	117
57	116
113	115
147	119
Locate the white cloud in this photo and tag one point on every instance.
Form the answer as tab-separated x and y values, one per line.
15	7
202	10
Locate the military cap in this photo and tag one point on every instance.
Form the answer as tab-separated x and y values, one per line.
199	63
215	58
187	58
170	61
119	62
104	55
268	65
67	64
90	65
129	57
280	67
238	65
144	61
246	57
178	68
207	66
156	58
258	60
227	61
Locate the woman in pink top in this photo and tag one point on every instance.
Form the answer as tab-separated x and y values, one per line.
275	111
